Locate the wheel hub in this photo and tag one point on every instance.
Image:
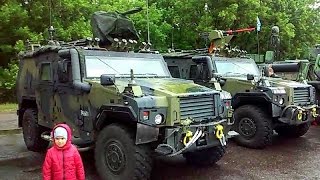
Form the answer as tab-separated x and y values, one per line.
115	158
247	127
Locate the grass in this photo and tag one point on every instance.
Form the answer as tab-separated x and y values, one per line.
8	107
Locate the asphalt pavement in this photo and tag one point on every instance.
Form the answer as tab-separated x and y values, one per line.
286	159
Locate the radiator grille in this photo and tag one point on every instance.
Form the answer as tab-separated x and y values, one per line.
198	107
301	96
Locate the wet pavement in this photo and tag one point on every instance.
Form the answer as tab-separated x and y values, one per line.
285	159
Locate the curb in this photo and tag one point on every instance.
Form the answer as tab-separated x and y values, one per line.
16	157
10	131
8	112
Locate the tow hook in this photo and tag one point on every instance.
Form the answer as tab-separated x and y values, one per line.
299	116
314	112
220	135
187	138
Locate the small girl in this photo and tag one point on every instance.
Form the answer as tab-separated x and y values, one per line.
63	160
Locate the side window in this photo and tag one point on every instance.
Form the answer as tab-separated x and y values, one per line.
45	72
174	70
193	72
64	71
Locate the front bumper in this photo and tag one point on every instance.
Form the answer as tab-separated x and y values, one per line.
295	115
194	137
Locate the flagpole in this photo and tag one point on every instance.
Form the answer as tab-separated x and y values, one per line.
258	29
258	45
148	26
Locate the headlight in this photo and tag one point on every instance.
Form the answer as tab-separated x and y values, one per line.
281	101
158	119
225	95
312	95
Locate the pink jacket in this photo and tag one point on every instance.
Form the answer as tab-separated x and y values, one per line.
63	163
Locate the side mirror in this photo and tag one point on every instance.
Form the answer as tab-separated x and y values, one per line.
222	82
250	77
106	80
63	65
199	71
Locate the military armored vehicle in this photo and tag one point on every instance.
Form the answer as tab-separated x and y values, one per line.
300	70
262	104
124	103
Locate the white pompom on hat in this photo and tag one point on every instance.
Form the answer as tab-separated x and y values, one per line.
60	132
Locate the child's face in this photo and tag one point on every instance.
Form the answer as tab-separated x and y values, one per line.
60	141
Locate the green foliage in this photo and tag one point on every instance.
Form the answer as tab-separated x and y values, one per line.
8	76
7	82
178	23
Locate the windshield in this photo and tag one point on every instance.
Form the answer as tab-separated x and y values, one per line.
121	66
230	68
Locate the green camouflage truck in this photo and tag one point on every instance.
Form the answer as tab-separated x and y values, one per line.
300	70
123	103
262	104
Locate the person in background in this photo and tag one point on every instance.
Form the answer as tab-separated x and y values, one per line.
270	72
62	160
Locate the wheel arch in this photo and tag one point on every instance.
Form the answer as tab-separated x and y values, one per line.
115	114
256	99
125	116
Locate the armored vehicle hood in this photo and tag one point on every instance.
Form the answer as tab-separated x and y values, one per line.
286	83
166	86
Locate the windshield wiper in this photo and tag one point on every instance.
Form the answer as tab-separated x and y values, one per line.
234	73
142	75
147	74
241	68
107	65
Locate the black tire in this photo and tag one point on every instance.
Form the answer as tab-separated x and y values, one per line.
32	132
293	131
205	157
118	142
254	127
317	119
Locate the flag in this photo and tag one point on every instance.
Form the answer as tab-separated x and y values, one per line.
258	24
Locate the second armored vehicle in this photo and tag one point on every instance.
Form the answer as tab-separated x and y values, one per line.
262	104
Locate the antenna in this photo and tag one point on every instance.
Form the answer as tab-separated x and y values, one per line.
148	22
50	13
206	29
51	30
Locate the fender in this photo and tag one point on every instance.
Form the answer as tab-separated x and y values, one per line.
116	113
255	97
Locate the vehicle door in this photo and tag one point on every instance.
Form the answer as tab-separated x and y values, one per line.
68	100
44	92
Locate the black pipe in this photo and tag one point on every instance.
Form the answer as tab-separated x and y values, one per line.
287	67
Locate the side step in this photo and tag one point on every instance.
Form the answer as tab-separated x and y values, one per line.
232	134
79	143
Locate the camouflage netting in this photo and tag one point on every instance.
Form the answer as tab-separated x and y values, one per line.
109	25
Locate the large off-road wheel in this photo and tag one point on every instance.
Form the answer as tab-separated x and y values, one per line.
117	156
254	127
205	157
293	131
32	131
